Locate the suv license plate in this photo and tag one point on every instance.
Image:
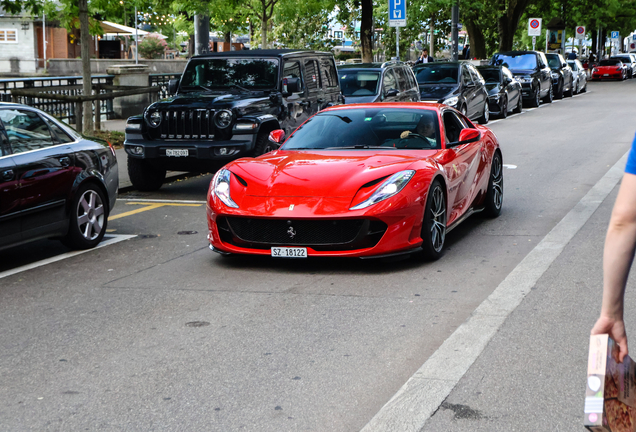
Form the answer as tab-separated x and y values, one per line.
177	152
289	252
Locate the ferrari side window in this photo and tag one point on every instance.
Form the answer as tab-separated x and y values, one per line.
452	126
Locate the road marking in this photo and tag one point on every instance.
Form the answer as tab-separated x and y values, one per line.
162	201
109	239
147	207
420	397
509	166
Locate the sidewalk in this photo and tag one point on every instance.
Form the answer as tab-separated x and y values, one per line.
125	185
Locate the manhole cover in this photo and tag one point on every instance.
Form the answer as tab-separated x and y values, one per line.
187	232
197	324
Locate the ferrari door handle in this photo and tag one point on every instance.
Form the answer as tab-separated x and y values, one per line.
7	175
65	161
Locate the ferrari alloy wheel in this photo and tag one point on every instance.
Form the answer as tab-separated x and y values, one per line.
88	218
434	223
494	195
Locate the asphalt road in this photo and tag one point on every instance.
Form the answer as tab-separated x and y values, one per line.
158	333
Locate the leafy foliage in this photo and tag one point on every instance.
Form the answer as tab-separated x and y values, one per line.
152	46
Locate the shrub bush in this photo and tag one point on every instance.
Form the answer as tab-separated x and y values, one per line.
152	46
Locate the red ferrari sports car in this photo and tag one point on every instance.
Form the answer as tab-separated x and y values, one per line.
609	69
366	180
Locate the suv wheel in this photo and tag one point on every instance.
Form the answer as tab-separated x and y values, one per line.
570	92
485	117
263	144
549	97
536	98
144	176
560	88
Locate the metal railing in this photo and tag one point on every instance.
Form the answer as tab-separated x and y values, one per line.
161	80
66	85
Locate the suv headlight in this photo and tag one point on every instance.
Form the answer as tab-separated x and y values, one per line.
223	119
154	118
525	79
390	187
555	75
451	101
221	187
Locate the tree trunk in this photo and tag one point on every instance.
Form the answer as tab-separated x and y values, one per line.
366	31
508	21
227	37
85	41
477	40
431	51
594	41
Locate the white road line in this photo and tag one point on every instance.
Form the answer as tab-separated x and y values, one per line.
410	408
162	201
109	240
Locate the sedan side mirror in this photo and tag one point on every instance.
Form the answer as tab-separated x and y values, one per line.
564	65
277	136
507	81
173	85
392	92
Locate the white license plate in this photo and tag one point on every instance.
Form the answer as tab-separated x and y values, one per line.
177	152
605	74
289	252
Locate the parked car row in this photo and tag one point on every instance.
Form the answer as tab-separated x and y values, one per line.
618	67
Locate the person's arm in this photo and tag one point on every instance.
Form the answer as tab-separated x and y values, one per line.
618	255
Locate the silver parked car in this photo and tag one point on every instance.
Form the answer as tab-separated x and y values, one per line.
579	76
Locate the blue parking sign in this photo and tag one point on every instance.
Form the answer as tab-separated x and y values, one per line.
397	13
614	35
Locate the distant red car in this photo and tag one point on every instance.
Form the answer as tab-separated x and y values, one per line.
366	180
609	69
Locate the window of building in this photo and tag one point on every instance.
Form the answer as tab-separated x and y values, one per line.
8	36
337	35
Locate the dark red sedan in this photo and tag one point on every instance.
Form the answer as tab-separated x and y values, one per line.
367	180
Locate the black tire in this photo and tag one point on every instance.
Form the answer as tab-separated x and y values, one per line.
560	89
504	109
485	116
263	144
434	222
519	106
88	218
576	89
584	89
570	92
144	176
494	194
463	110
535	101
549	97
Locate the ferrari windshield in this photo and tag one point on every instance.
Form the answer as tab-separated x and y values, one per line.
609	62
437	73
358	82
227	73
368	128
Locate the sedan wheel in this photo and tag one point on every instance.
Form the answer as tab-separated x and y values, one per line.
504	109
549	97
88	218
536	98
485	117
494	195
434	223
519	106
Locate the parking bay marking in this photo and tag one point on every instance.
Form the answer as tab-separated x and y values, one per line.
149	206
109	239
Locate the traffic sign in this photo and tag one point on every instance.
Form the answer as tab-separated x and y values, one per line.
397	13
534	27
580	32
632	46
634	37
615	35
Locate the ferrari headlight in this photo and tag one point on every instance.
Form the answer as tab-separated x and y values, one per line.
451	101
221	187
390	187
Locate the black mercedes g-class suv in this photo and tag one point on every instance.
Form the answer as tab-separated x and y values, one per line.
224	107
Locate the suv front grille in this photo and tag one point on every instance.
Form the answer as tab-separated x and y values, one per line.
324	235
185	124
